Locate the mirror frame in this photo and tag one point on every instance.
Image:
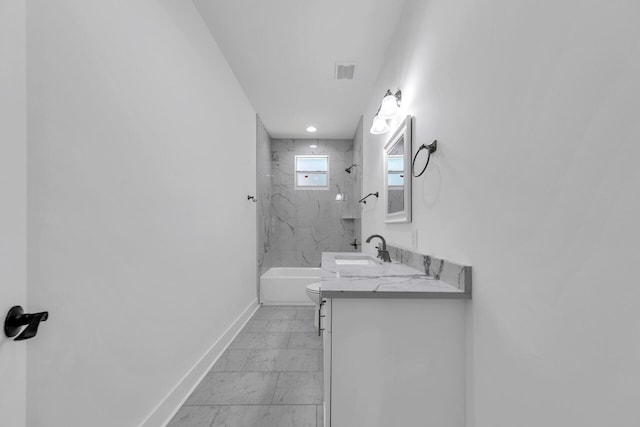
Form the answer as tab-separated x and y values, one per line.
403	131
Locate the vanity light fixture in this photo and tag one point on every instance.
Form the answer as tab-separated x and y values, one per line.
390	104
339	197
379	126
389	107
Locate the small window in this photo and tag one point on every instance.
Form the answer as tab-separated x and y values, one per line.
312	172
395	170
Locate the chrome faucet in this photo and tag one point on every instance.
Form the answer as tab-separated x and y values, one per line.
383	253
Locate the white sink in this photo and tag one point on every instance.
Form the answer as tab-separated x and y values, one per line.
354	260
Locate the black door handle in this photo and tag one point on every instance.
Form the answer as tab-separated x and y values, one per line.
17	318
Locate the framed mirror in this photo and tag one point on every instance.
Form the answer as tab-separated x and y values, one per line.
397	175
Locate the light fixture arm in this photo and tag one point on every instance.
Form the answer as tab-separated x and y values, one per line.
398	96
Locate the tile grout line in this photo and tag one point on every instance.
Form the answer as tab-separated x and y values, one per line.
255	404
274	389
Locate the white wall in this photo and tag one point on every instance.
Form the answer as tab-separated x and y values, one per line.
141	149
13	205
535	184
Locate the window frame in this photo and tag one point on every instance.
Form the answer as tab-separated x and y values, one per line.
296	171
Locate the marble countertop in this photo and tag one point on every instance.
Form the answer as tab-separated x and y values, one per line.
380	280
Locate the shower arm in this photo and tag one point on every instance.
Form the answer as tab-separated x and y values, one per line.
368	195
348	170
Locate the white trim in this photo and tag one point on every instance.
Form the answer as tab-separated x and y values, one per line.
162	414
402	132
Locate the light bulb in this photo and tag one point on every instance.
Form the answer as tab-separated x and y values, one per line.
389	107
379	126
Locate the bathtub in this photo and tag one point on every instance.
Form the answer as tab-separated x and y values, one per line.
287	285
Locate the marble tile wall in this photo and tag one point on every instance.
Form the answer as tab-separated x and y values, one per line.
358	138
263	189
449	272
305	223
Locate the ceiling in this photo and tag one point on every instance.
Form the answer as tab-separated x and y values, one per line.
284	53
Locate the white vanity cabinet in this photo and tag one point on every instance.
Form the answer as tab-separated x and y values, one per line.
394	342
394	362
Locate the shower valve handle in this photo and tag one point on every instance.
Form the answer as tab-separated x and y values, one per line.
17	318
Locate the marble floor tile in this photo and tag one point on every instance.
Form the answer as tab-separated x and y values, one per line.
297	360
305	313
293	325
266	416
307	340
275	312
253	340
194	416
298	388
279	360
263	379
231	360
234	388
320	415
256	325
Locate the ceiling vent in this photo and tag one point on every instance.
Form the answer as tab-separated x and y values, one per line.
345	70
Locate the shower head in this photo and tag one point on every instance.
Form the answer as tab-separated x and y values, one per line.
348	170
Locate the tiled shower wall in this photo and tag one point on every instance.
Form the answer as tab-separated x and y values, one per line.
305	223
357	179
263	189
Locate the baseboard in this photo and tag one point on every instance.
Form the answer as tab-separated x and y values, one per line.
171	403
288	303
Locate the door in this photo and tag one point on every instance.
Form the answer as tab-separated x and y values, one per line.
13	207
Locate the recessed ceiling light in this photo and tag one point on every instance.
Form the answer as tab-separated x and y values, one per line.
311	129
313	146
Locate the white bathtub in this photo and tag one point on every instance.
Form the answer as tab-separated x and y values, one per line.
287	285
